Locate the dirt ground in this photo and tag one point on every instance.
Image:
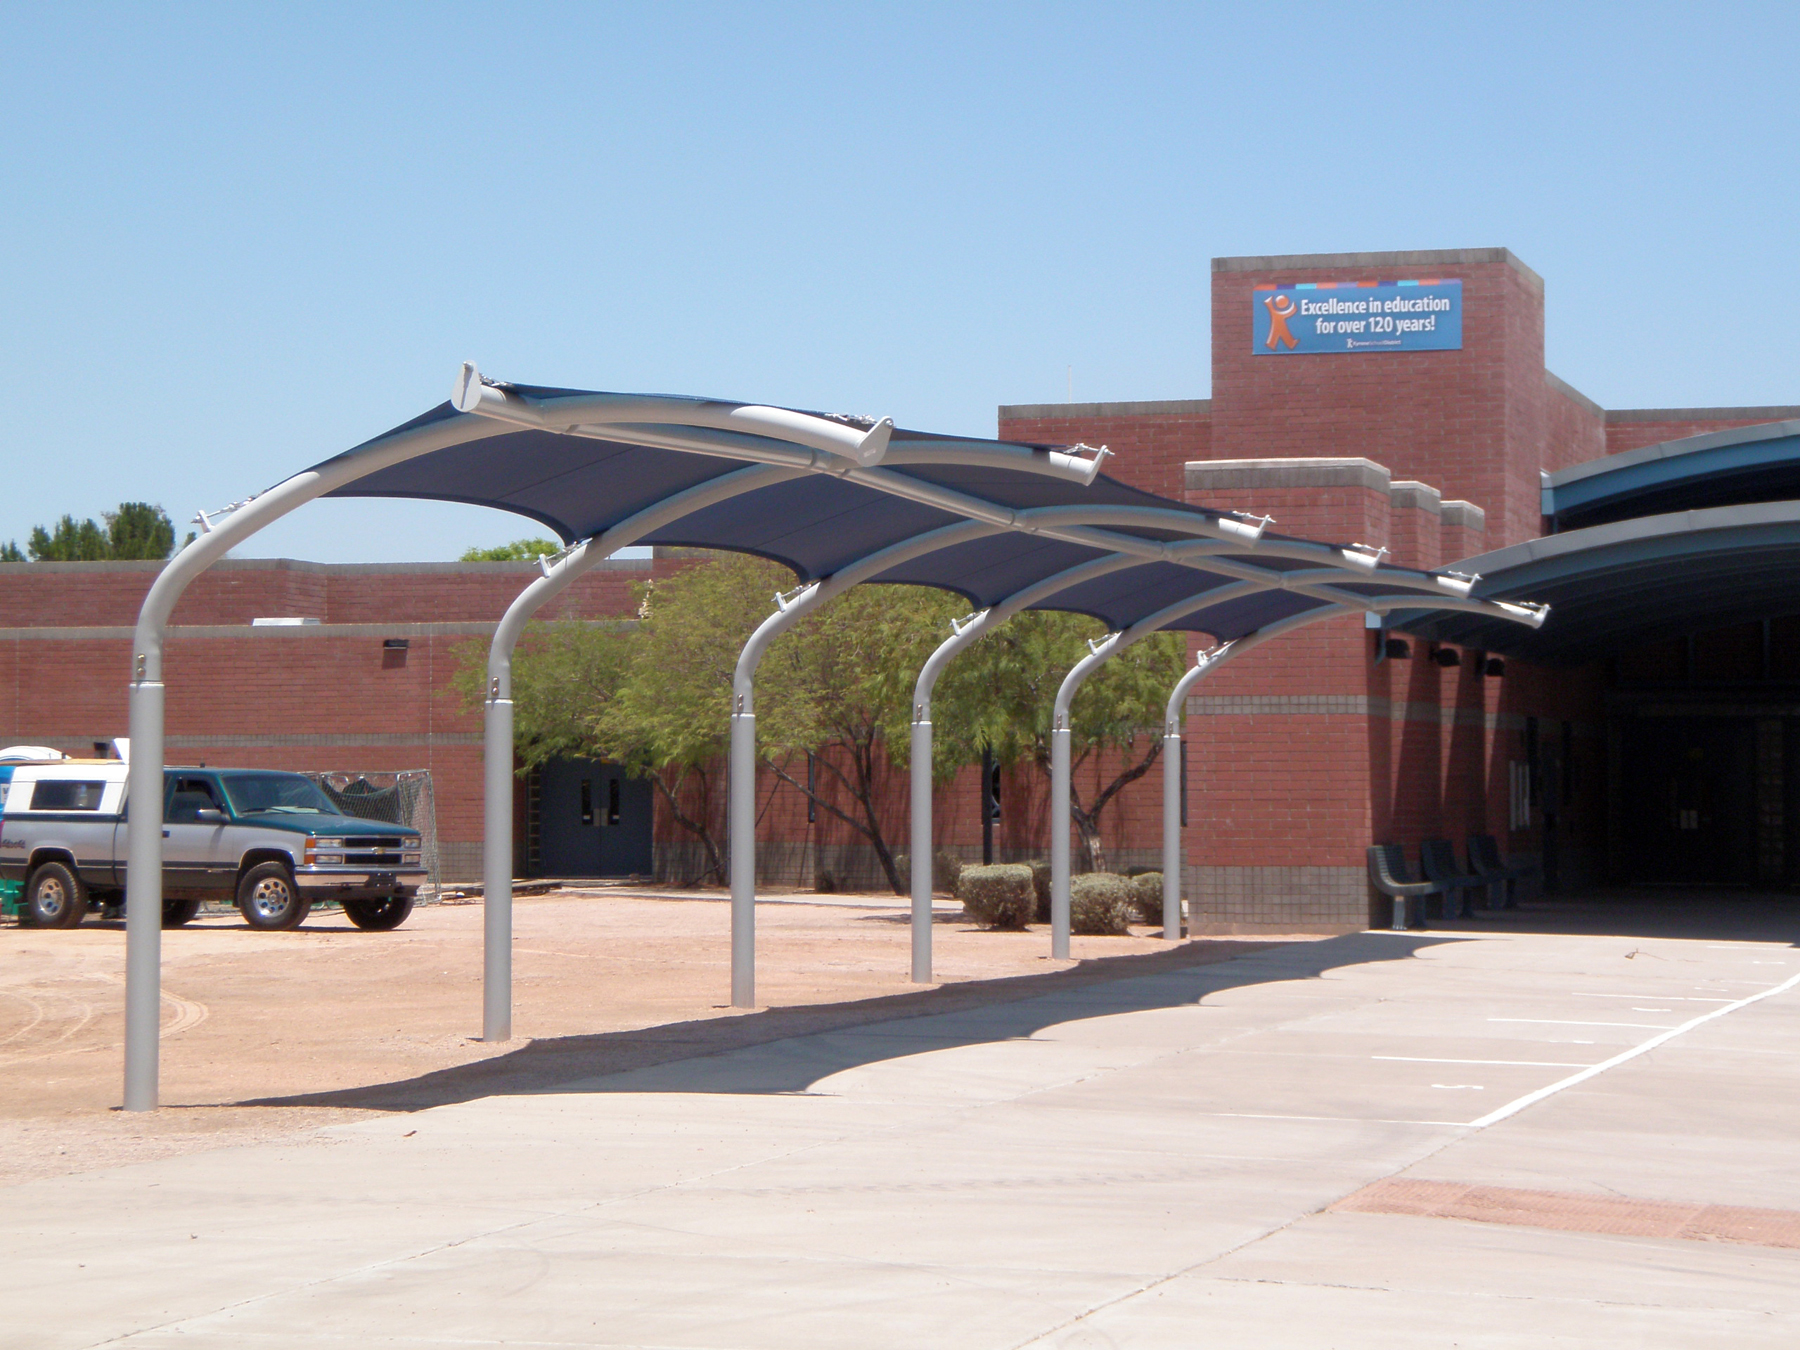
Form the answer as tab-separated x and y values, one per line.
268	1035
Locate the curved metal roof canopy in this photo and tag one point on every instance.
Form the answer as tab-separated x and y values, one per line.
582	463
1633	582
840	500
1722	468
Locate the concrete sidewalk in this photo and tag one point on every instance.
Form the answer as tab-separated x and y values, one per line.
1147	1162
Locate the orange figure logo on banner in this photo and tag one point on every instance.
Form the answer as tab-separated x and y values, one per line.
1281	308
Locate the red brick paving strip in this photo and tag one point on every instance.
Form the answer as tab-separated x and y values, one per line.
1577	1213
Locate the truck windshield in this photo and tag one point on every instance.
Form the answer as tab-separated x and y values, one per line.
287	793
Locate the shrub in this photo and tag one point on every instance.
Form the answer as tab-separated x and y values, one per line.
998	896
1146	897
945	868
1040	885
1100	904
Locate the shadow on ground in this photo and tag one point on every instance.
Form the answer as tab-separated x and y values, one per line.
1719	913
1002	1009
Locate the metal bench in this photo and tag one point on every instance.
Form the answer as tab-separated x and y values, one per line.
1391	876
1438	858
1486	863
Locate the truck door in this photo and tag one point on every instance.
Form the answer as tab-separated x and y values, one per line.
193	846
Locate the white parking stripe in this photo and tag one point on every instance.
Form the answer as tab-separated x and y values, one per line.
1519	1063
1667	998
1334	1120
1531	1098
1570	1022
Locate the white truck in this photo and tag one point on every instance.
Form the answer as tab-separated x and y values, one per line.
271	843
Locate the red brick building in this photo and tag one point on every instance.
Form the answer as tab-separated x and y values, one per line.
1298	756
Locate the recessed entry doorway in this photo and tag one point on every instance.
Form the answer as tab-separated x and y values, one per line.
1689	800
593	821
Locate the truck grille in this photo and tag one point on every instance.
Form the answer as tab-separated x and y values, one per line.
378	852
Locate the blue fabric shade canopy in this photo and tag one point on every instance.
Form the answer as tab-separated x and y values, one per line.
818	522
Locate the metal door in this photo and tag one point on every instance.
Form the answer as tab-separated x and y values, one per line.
1689	800
593	821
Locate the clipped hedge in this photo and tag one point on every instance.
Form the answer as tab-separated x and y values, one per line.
1100	904
1000	896
1146	897
1040	883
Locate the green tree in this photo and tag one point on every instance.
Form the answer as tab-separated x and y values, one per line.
671	718
136	531
1002	691
520	550
9	552
68	541
654	697
839	686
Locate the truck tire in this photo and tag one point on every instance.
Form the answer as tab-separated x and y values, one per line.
380	915
270	900
54	897
178	912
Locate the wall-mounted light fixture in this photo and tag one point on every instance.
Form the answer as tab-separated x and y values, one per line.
1494	666
395	644
1398	649
1446	656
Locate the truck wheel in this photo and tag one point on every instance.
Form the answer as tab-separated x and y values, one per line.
178	912
378	916
270	900
54	897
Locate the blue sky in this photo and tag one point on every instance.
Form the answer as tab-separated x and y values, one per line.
238	240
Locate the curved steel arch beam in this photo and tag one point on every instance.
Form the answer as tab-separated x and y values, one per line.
1174	717
741	797
143	847
749	433
1113	644
920	806
497	720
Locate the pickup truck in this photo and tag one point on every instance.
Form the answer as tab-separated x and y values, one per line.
272	843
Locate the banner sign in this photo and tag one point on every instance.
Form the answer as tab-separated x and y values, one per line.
1356	316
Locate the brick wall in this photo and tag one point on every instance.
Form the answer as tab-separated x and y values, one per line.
325	696
1470	422
1630	428
1152	441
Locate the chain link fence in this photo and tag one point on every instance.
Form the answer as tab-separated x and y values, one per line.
402	797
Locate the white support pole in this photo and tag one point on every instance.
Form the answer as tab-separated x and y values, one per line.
143	915
1059	839
497	868
922	859
1060	815
742	792
741	842
1171	824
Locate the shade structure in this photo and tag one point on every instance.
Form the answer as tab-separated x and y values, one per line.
1050	510
839	499
1616	586
1722	468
